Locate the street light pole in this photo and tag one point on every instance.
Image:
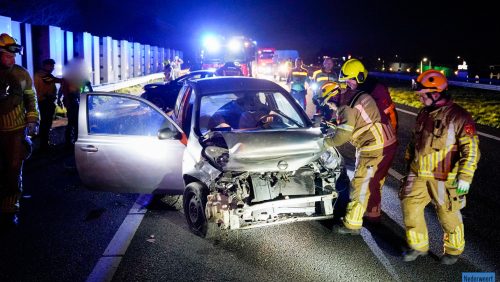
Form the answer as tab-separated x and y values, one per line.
422	64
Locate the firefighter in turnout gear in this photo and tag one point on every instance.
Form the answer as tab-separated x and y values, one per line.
298	78
354	71
327	100
19	116
360	121
45	85
322	76
442	158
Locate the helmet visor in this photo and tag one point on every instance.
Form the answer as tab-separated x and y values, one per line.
342	76
417	86
13	48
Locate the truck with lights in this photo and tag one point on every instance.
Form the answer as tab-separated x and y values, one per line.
217	50
264	61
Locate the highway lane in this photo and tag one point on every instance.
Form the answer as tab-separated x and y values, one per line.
309	251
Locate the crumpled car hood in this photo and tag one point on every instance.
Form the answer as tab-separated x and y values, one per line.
263	151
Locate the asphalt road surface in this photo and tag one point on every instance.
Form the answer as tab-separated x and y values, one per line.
68	233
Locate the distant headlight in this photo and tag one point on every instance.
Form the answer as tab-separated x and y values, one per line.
218	155
266	69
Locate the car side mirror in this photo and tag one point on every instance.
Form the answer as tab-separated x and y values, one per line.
167	133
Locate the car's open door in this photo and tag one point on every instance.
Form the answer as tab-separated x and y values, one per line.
125	144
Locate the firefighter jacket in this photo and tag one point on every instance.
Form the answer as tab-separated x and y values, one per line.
382	97
72	87
359	121
321	77
298	78
445	144
45	85
18	104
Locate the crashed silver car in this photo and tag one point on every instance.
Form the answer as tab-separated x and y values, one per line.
241	151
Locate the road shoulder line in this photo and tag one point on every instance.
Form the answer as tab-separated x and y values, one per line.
107	265
479	132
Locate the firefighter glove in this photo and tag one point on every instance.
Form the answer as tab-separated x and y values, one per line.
32	128
463	187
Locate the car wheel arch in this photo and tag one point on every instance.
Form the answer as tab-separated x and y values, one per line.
188	179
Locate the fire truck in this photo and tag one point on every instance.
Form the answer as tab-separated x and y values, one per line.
264	61
218	50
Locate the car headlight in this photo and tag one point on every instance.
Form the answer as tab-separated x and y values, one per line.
217	155
330	160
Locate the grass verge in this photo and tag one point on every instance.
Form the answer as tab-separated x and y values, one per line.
483	105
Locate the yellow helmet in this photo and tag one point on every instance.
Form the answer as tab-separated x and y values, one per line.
9	44
353	69
328	91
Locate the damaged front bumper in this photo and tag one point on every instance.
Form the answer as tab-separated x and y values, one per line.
219	210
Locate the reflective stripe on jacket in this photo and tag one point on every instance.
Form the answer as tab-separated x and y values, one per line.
360	123
298	77
445	144
321	77
45	85
20	105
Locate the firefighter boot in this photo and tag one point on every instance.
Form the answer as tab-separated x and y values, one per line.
449	259
412	255
344	230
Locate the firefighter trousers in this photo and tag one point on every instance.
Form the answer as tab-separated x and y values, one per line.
416	194
368	180
374	208
15	147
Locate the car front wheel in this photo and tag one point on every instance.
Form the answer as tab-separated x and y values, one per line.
195	200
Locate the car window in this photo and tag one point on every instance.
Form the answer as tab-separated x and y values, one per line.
182	93
196	76
247	110
116	115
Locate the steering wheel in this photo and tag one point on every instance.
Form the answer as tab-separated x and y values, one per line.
266	120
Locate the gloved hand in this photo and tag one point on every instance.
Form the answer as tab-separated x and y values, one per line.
462	187
32	128
328	128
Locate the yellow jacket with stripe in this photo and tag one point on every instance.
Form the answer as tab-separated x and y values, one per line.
445	144
298	78
18	104
321	77
359	122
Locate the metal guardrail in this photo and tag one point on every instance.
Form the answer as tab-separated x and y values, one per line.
128	83
408	77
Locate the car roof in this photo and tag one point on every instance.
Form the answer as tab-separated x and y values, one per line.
201	71
233	84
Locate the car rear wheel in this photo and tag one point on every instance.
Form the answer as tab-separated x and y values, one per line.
195	199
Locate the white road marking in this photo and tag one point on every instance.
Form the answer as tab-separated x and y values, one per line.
107	265
406	112
104	269
479	132
370	242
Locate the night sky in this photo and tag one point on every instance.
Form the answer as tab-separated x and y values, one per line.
440	30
